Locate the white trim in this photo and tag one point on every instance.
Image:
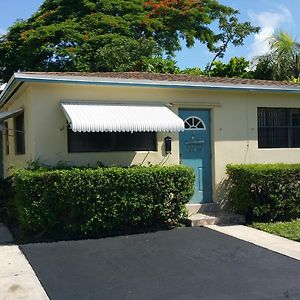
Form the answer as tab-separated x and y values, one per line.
200	121
9	114
104	117
113	80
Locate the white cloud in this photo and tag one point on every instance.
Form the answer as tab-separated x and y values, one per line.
269	22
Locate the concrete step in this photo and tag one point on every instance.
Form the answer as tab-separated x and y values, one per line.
202	220
205	208
216	219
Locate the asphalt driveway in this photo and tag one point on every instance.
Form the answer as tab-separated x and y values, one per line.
189	263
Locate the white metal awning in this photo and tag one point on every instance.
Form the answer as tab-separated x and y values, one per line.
9	114
91	117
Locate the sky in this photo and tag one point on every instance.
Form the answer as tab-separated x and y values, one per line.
270	15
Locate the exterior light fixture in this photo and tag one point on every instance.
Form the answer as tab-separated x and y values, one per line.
168	145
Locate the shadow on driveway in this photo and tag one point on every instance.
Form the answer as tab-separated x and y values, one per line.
188	263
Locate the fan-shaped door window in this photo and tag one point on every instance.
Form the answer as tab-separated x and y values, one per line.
194	123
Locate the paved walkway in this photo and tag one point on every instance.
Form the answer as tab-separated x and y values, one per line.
17	279
260	238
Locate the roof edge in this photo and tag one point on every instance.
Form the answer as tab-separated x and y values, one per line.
109	81
7	88
147	82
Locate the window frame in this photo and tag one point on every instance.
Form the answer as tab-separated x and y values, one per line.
112	140
6	138
19	134
289	127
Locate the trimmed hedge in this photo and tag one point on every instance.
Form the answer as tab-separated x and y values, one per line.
6	195
75	203
265	193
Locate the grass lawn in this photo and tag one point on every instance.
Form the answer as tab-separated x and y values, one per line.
289	230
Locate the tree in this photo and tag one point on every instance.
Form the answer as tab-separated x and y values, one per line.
295	80
236	67
264	69
158	65
195	71
283	60
114	35
232	32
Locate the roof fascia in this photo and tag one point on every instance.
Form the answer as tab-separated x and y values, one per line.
10	88
149	83
21	78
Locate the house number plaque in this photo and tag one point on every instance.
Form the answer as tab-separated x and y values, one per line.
194	145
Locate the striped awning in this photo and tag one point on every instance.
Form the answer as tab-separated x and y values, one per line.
94	117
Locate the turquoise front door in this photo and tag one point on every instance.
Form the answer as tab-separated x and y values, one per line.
195	151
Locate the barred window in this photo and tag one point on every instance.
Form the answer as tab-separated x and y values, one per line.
278	127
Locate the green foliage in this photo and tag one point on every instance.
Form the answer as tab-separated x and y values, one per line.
265	193
289	230
114	35
6	194
118	54
264	69
231	32
236	67
283	60
193	71
159	65
295	80
76	203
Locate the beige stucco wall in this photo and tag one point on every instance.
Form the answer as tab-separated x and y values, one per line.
22	99
50	139
233	123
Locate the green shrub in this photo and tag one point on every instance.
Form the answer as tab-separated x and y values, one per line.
76	203
6	194
265	193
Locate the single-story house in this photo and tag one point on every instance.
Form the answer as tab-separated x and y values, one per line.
142	118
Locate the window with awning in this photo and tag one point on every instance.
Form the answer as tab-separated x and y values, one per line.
121	118
117	127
